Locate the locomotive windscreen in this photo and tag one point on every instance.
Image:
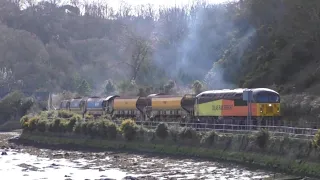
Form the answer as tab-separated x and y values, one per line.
267	98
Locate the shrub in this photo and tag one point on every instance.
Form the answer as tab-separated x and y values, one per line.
316	139
129	129
88	117
77	128
24	122
71	123
32	125
84	129
41	126
91	129
54	126
262	137
65	114
101	128
174	133
209	137
63	125
111	129
162	130
187	133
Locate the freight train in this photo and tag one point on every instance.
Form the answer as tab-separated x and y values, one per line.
225	106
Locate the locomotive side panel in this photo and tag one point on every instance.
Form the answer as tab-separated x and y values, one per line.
237	108
211	108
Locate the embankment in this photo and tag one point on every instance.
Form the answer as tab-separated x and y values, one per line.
285	154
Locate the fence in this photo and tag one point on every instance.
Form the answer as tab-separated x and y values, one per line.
239	129
298	133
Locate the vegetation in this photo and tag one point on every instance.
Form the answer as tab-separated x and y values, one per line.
251	43
144	50
68	122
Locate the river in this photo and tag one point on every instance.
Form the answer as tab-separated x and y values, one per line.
24	162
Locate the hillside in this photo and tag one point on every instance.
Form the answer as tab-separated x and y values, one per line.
251	43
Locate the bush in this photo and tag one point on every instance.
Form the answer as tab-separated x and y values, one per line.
65	114
91	129
187	133
262	138
208	138
111	129
54	126
316	139
63	125
77	128
32	125
41	126
162	130
24	122
72	122
84	128
174	133
129	129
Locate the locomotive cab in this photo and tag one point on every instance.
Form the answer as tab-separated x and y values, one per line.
268	102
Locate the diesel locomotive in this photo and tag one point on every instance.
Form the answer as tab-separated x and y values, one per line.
215	107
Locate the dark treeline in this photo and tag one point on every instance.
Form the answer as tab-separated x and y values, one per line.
90	48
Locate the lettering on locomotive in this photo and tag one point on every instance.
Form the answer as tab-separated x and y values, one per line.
223	107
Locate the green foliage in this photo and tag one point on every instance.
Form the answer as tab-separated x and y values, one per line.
162	130
174	133
41	126
197	87
316	139
84	88
262	138
109	88
129	129
65	114
14	104
209	138
187	133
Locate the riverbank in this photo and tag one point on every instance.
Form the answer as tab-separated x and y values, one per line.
285	154
41	161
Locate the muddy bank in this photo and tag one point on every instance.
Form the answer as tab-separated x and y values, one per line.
31	162
250	159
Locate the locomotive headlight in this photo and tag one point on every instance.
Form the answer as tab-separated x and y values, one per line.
270	105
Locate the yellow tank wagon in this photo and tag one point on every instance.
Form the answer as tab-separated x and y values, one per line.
170	107
125	107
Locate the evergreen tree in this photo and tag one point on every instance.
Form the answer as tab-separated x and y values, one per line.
84	89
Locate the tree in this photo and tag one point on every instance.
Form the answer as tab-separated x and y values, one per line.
197	87
109	88
84	88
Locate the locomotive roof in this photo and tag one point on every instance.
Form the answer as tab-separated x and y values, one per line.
237	91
